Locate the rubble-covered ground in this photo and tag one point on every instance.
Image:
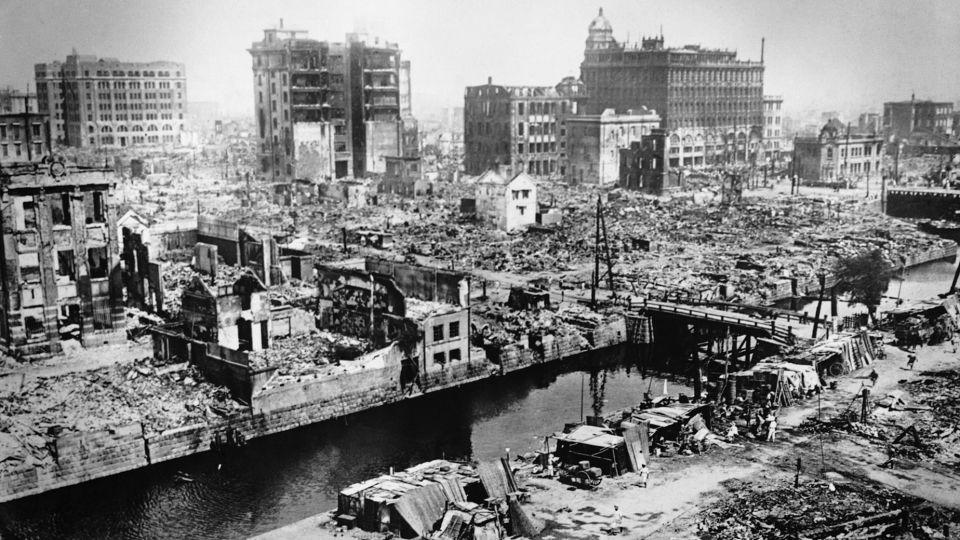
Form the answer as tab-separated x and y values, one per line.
501	325
820	509
936	398
309	354
160	397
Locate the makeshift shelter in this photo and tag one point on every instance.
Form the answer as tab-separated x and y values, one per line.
410	502
664	422
797	379
842	353
597	445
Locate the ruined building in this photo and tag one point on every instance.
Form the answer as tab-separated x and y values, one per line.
838	154
425	311
902	119
61	263
107	103
522	128
595	141
17	101
709	101
325	109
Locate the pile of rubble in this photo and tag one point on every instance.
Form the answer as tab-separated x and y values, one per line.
938	426
160	397
177	276
847	422
501	325
821	510
309	354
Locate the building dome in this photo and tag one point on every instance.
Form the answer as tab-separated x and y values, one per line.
600	24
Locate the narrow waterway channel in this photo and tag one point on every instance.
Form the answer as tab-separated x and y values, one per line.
287	477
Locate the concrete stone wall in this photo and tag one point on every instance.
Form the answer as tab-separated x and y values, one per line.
275	409
922	204
79	457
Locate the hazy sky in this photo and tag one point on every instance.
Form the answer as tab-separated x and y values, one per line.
824	54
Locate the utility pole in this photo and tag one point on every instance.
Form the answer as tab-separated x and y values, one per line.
846	156
601	248
822	277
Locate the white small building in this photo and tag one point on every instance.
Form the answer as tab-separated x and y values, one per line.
509	205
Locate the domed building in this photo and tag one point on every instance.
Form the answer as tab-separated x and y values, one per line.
700	94
600	33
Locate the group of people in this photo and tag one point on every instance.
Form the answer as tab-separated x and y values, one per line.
758	413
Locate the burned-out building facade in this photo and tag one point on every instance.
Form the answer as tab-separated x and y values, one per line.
329	109
234	315
61	261
595	141
522	128
424	310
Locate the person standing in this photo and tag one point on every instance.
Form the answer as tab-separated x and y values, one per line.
954	340
771	428
911	360
644	475
618	519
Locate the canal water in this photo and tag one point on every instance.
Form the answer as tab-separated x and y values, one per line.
919	283
287	477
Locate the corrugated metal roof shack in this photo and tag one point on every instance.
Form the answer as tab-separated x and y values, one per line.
413	502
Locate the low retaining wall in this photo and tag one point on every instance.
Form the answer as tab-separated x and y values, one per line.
920	203
278	408
79	457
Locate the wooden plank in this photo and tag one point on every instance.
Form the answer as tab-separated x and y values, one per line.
644	430
631	436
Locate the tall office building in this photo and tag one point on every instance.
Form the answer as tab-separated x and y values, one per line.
326	109
105	103
709	101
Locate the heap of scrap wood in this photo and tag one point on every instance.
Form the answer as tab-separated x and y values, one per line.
820	510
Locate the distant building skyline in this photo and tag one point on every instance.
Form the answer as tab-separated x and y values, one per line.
811	57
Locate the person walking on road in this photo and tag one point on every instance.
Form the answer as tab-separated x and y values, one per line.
911	360
618	519
644	475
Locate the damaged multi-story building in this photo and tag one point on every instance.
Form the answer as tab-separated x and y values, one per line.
710	102
60	257
327	109
522	128
108	103
595	141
